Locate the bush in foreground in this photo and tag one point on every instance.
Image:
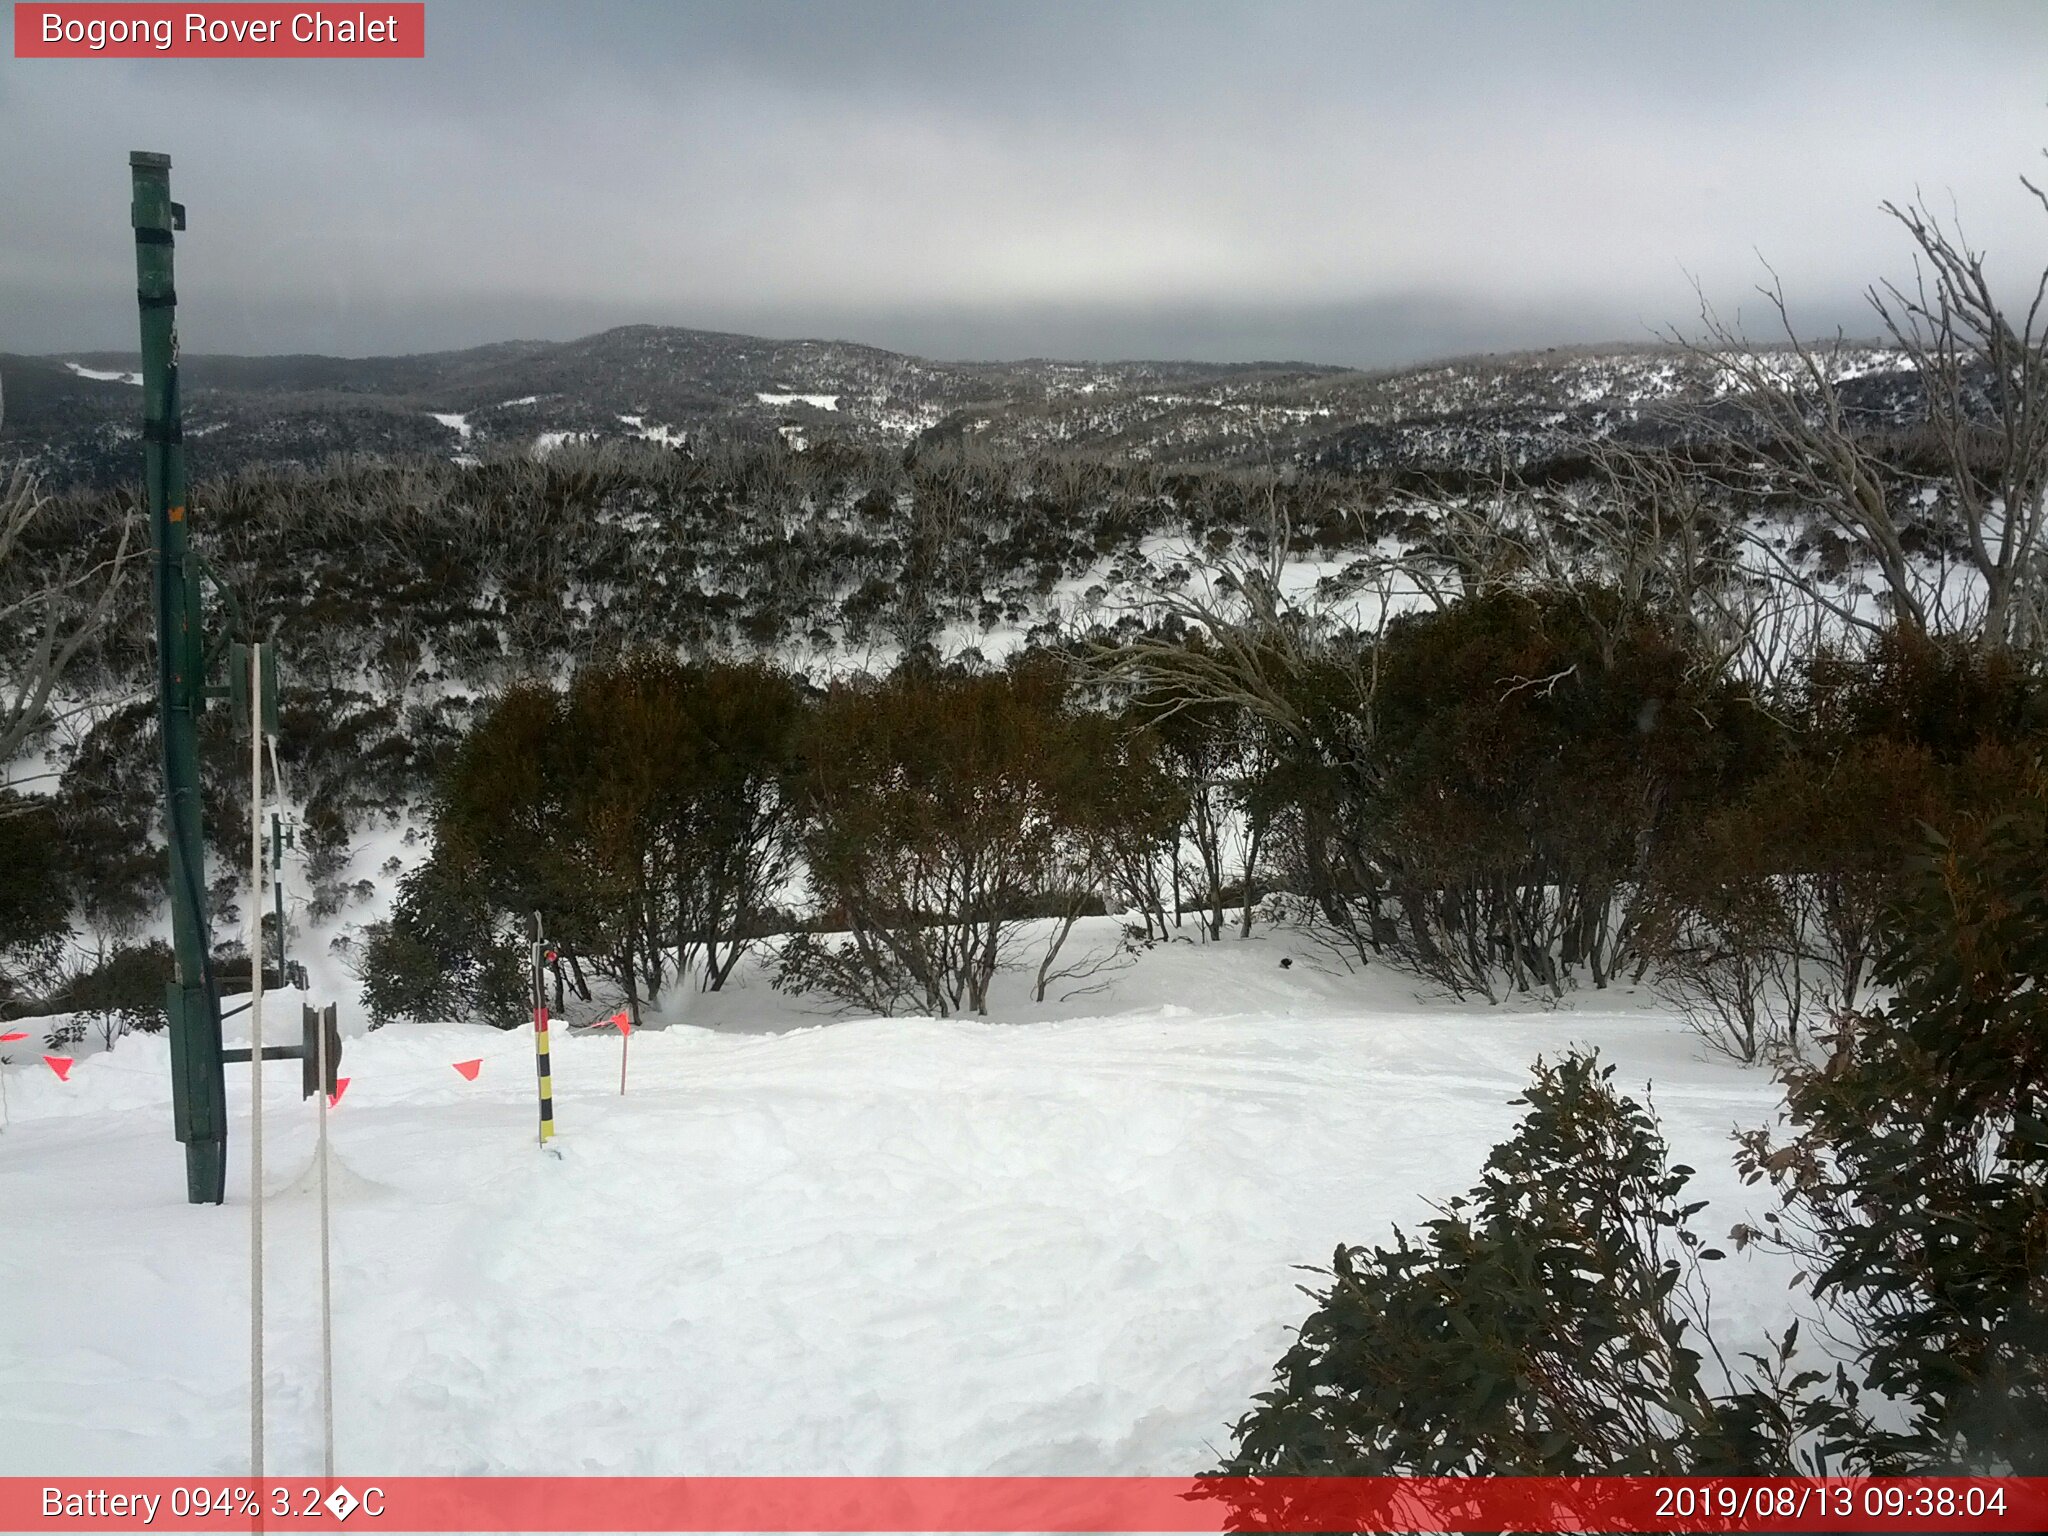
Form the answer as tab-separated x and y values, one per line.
1550	1323
1916	1179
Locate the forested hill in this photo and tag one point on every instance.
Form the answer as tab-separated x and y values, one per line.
74	417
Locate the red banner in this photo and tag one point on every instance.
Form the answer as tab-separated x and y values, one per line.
1005	1504
214	31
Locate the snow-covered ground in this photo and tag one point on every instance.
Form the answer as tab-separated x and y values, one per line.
1059	1241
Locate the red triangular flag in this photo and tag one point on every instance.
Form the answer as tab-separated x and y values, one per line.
469	1069
625	1024
10	1039
340	1087
61	1065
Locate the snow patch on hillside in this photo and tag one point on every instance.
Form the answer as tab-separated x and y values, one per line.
668	437
104	377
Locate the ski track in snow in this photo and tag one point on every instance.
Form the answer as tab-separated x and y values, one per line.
885	1246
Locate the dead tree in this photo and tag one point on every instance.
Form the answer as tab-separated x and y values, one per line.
1986	383
1982	373
1256	652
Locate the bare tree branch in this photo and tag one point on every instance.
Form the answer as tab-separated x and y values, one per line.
47	614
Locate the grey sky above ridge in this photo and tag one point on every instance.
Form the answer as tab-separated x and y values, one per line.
1357	183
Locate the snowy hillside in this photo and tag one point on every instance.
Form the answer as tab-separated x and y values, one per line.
75	418
1056	1241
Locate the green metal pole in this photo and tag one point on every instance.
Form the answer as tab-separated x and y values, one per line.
198	1087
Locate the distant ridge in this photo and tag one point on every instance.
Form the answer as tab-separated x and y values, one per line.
669	384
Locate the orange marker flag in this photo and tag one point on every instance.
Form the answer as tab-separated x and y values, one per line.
340	1087
625	1024
469	1069
61	1065
19	1034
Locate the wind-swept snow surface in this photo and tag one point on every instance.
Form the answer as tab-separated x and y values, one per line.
1049	1245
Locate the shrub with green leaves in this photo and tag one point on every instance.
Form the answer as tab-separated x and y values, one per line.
123	990
34	907
642	810
1768	902
445	953
1916	1180
941	813
1553	1321
1550	1323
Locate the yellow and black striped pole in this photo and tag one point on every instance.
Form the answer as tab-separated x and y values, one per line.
540	1038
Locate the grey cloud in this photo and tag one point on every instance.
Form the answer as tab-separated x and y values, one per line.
1340	182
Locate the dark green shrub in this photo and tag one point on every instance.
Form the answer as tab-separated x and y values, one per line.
642	811
940	812
130	980
122	991
1916	1180
35	905
1529	750
1550	1323
1767	902
444	953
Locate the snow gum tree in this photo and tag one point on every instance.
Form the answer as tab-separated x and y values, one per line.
643	811
53	603
941	813
1968	472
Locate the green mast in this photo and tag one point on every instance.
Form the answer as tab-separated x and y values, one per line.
198	1088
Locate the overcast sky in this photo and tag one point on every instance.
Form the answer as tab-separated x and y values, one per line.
1353	182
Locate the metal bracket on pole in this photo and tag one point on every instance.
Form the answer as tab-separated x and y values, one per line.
238	686
306	1053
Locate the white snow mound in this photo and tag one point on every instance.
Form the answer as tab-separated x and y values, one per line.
1054	1244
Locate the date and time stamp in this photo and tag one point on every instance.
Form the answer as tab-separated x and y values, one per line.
1799	1500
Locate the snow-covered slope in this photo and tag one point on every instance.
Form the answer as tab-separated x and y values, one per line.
1060	1241
1460	414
